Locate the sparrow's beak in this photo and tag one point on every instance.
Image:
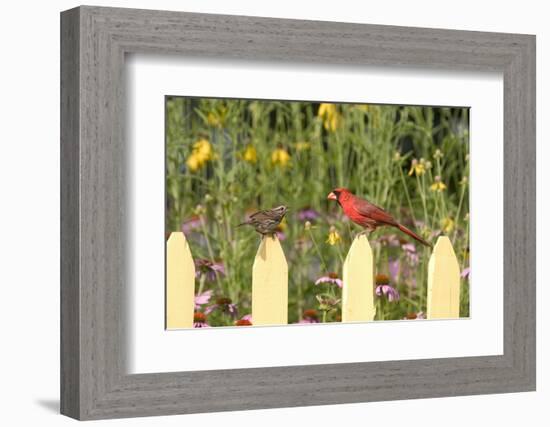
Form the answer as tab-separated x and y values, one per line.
331	196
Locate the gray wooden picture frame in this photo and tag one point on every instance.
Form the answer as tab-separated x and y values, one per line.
94	382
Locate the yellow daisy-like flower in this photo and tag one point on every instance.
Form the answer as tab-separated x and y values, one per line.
330	115
193	163
447	225
280	157
250	154
438	186
417	167
333	236
202	153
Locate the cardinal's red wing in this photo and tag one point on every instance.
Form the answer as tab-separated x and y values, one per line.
370	210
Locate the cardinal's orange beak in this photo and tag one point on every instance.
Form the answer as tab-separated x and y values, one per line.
332	196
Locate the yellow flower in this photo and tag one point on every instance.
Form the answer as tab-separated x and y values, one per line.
193	162
438	185
333	236
418	167
250	154
280	157
447	225
217	116
363	107
202	153
438	154
330	115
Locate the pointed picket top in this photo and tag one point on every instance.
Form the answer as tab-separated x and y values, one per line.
358	288
443	281
180	283
270	284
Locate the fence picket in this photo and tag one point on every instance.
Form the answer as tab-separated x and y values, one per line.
358	289
180	283
270	284
443	282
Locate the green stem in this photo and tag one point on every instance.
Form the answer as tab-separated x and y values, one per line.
210	251
407	193
423	197
202	280
459	209
318	251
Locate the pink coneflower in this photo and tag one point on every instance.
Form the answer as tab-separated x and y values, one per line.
383	288
205	267
223	304
191	224
246	320
310	316
465	273
331	278
308	214
202	299
415	316
199	320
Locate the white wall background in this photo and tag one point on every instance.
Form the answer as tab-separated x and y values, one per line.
29	214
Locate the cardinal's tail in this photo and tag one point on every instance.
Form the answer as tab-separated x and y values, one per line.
413	235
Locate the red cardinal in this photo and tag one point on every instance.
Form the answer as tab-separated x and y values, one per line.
366	214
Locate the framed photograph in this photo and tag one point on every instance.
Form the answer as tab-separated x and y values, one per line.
278	213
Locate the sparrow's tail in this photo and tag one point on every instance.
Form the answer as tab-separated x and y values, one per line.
413	235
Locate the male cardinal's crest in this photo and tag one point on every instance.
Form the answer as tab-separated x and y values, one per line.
366	214
266	222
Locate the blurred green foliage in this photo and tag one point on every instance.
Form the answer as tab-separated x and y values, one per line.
228	158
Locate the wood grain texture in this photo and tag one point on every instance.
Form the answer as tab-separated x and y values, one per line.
70	263
94	240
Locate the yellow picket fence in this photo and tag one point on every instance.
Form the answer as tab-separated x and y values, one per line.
270	283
